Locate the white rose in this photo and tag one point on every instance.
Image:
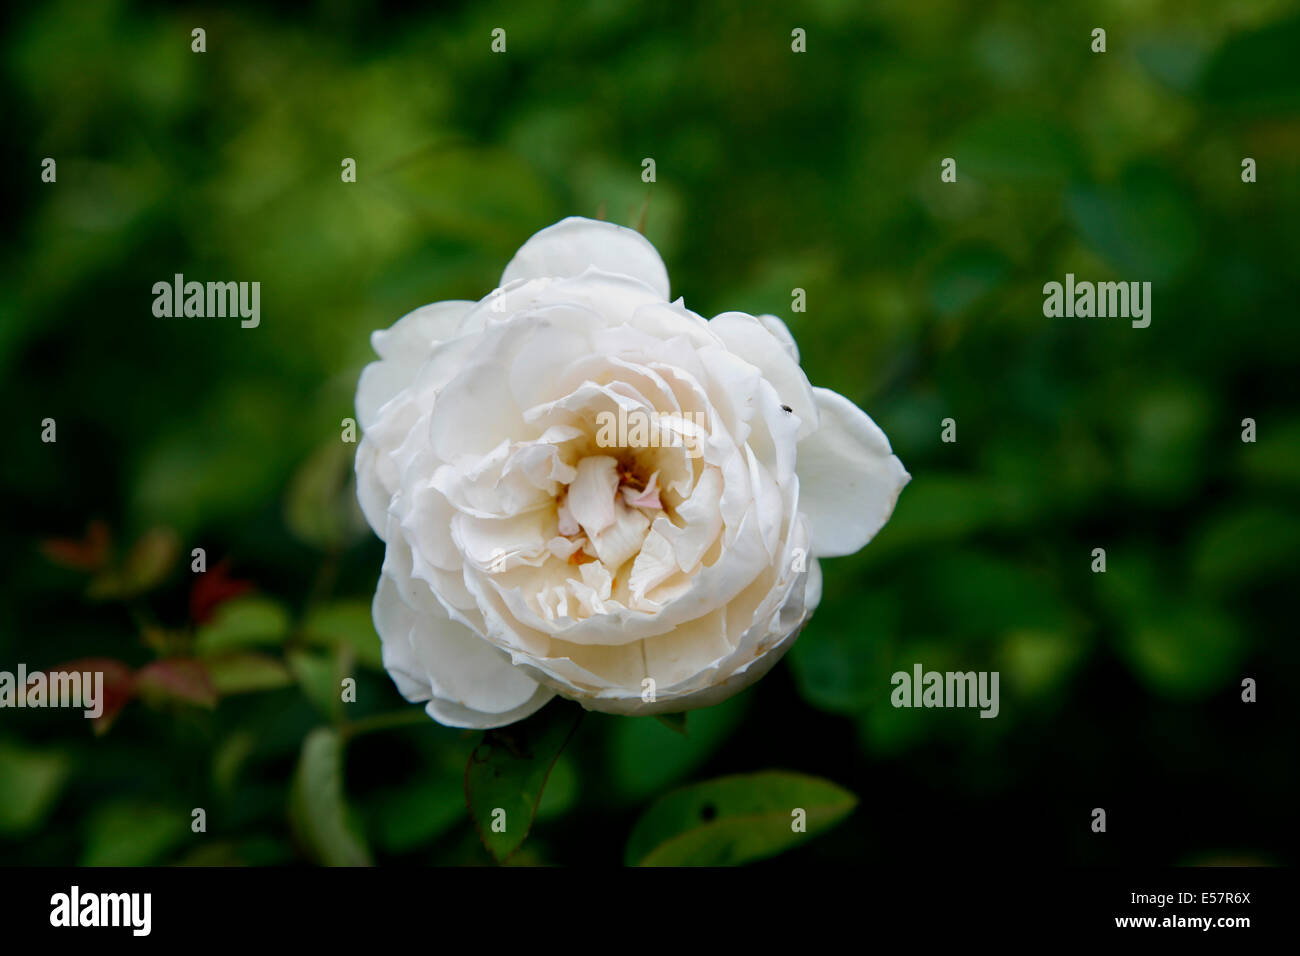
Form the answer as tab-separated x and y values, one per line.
530	553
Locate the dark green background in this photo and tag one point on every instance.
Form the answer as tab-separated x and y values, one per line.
775	170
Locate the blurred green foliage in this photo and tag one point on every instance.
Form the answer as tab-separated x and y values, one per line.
775	170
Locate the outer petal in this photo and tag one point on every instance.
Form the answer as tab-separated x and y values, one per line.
420	330
753	341
571	245
729	679
778	328
848	476
457	715
403	349
432	658
813	594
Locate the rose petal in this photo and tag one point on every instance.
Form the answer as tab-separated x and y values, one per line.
648	497
747	337
591	496
571	245
782	332
432	657
457	715
622	539
654	565
403	349
419	330
849	478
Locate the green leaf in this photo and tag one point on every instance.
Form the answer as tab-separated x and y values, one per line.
1245	547
1185	652
320	677
674	722
246	672
318	807
1037	661
243	622
230	757
645	755
148	562
507	772
735	819
348	624
30	783
133	834
561	793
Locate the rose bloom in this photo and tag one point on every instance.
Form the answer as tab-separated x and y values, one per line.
534	548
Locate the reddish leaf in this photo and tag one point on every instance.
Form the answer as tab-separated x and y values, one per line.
177	678
146	566
119	686
212	588
90	553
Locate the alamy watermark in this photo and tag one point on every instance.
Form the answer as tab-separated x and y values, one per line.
84	689
75	908
923	688
1125	300
638	428
181	299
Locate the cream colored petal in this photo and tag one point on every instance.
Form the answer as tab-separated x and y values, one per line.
782	334
619	541
431	656
403	350
848	476
747	337
591	496
572	245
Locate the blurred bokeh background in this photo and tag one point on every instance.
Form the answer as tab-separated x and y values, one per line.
775	171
